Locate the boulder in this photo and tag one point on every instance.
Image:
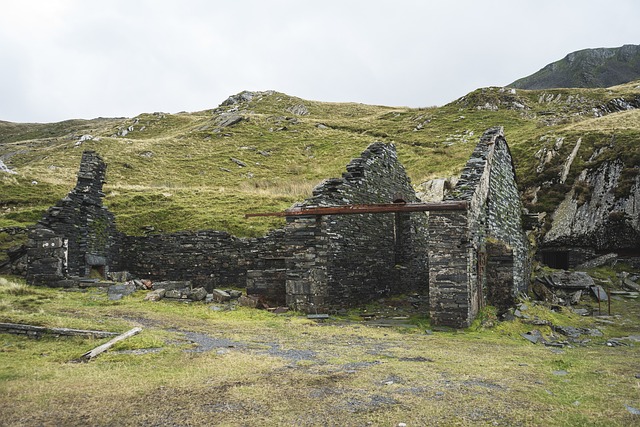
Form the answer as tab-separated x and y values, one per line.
599	293
571	280
298	110
533	336
173	293
250	301
575	297
543	293
238	162
120	276
435	190
629	284
4	168
598	261
227	120
233	293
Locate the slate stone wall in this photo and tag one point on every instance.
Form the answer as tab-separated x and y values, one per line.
460	284
208	258
504	218
314	263
77	237
358	258
451	287
307	287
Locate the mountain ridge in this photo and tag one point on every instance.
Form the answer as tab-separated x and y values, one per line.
587	68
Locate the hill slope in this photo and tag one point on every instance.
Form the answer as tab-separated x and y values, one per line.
588	68
264	151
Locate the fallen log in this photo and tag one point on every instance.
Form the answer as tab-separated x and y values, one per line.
106	346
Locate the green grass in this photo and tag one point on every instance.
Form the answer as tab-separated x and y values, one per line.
351	373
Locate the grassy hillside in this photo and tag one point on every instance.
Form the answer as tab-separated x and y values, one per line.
263	151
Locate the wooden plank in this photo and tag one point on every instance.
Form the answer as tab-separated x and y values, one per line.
106	346
32	330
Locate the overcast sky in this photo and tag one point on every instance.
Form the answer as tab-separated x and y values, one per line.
63	59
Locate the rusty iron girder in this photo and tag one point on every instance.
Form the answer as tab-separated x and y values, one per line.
366	209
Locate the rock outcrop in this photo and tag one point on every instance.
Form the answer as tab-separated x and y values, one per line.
602	67
607	221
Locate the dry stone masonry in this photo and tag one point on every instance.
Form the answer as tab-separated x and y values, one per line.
318	263
77	237
348	260
459	280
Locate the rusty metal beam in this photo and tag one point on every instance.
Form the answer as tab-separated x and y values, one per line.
366	209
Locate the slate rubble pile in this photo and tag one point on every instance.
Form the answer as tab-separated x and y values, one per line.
169	290
577	291
569	288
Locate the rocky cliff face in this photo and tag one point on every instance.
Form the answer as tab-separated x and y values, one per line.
605	219
602	67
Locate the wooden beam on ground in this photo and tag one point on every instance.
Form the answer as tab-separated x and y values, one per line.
367	209
104	347
38	331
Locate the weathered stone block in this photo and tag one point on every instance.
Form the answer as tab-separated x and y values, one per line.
220	296
198	294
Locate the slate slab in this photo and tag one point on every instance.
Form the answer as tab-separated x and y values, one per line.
571	280
599	293
532	336
116	292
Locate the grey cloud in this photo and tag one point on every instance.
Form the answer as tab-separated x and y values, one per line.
86	59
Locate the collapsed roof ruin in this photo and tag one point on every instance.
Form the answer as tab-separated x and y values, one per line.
462	257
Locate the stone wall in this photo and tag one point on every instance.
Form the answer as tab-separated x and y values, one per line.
451	288
458	279
208	258
77	237
357	258
314	263
504	213
307	286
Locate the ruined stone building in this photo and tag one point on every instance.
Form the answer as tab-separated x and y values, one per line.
462	259
77	237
